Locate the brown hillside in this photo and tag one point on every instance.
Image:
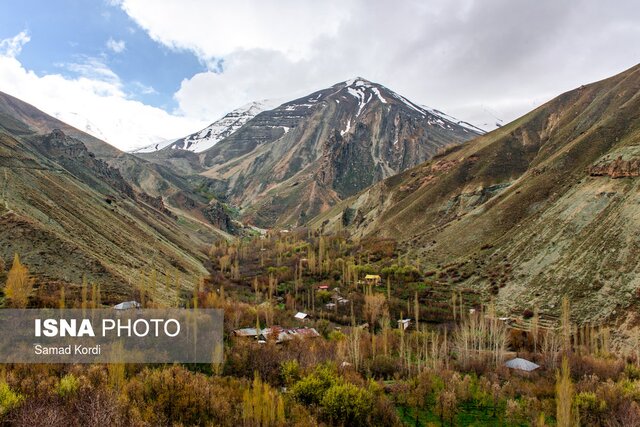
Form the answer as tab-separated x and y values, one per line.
544	206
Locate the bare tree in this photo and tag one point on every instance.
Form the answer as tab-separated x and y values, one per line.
550	347
373	307
480	338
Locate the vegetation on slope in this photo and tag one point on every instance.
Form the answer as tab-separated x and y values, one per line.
551	195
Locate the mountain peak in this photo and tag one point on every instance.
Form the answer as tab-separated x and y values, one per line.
357	81
262	104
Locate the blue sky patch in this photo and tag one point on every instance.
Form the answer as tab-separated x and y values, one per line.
70	37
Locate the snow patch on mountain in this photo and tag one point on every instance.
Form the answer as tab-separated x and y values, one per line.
154	147
364	91
358	89
410	104
216	131
379	95
448	118
346	129
220	129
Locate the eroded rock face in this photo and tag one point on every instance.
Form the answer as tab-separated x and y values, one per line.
618	168
58	144
218	215
74	156
156	202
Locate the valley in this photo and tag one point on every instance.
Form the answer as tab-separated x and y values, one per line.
377	262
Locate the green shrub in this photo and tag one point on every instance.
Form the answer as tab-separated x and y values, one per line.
347	403
324	296
632	372
8	398
311	389
336	336
68	386
290	372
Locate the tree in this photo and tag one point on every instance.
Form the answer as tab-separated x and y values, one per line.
84	294
373	307
348	404
115	369
419	395
564	396
62	300
416	310
262	405
19	286
353	343
311	389
566	325
477	337
446	404
454	297
550	346
535	330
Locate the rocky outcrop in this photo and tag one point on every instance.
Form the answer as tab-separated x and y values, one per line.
74	156
618	168
218	215
156	202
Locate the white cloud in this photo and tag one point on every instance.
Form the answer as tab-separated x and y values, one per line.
93	68
470	58
217	28
143	89
116	46
94	101
12	46
465	57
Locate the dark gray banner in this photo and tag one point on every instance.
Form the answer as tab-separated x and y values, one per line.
111	336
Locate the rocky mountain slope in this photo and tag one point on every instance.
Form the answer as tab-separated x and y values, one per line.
292	162
24	119
215	132
73	206
70	215
544	206
186	196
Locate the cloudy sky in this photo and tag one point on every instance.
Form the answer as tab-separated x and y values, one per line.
137	71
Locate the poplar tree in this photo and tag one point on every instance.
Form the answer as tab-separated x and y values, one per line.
19	285
416	310
564	396
84	293
61	302
535	331
566	325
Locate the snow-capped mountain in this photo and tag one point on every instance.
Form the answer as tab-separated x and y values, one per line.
307	154
154	147
447	118
285	164
216	131
364	91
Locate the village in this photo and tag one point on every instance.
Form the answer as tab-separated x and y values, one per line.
328	330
